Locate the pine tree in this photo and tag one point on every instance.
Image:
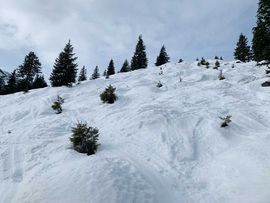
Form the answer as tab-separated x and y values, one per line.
108	96
29	69
242	51
65	68
261	33
111	69
85	138
95	74
2	86
163	57
125	67
82	75
39	82
139	59
105	73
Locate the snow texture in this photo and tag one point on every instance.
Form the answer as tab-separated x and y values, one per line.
158	145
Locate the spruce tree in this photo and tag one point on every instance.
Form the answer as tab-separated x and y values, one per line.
105	73
39	82
261	33
242	51
139	59
28	70
82	75
95	74
163	57
125	67
111	69
65	68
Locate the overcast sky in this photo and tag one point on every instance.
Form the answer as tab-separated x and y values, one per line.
103	29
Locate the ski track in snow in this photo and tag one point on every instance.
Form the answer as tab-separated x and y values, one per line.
158	145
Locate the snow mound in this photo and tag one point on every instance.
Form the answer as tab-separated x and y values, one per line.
158	145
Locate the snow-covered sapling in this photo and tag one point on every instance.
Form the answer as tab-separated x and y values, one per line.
226	121
60	99
84	138
57	107
108	96
221	76
161	71
159	84
203	61
217	65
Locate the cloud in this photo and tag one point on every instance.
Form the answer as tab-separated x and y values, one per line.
105	29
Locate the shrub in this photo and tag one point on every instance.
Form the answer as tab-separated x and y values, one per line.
217	64
108	96
57	107
60	99
180	61
226	121
221	76
203	61
159	85
84	138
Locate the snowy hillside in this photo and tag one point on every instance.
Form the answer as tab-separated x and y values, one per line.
158	145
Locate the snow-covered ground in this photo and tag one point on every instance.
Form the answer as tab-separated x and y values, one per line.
158	145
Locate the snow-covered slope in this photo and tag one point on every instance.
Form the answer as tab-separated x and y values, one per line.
158	145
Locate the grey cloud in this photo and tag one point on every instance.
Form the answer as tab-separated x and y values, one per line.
104	29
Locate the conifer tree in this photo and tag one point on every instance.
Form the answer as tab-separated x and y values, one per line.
261	33
2	85
162	57
29	69
242	51
82	75
139	59
65	68
39	82
125	67
105	73
95	74
111	69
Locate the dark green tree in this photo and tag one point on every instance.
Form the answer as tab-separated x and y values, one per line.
125	67
162	57
108	96
261	33
111	69
139	59
39	82
95	74
242	51
65	68
28	70
82	75
84	138
105	73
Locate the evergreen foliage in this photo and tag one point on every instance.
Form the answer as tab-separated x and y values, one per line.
65	68
82	75
29	69
108	96
163	57
84	138
105	73
261	33
242	51
203	61
39	82
95	74
139	59
125	67
180	61
207	64
12	83
57	107
111	69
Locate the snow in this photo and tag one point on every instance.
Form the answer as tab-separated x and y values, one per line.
157	145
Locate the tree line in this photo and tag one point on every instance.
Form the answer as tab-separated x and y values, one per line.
29	75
